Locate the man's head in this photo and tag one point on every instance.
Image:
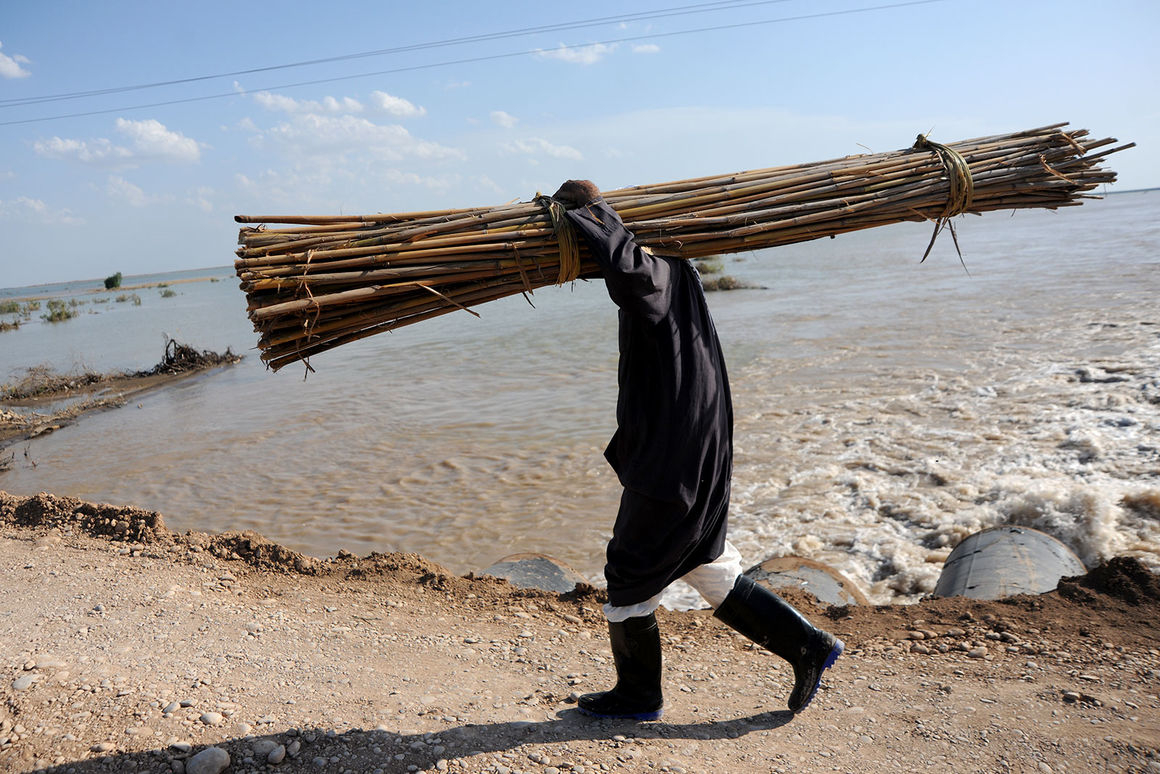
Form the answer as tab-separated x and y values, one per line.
577	192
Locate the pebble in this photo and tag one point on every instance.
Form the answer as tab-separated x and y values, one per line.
171	707
23	683
977	653
182	747
211	760
211	718
263	747
103	747
277	755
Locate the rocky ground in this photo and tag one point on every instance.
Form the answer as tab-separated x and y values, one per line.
126	647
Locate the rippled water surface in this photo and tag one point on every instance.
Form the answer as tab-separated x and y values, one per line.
885	409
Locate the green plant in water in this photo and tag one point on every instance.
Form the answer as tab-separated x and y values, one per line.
58	311
709	265
168	293
9	307
113	281
6	325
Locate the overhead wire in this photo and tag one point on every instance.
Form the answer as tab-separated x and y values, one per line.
477	59
681	10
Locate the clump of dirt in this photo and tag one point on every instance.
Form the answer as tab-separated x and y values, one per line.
254	550
181	358
53	512
1122	578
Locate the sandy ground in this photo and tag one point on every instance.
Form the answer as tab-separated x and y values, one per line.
126	647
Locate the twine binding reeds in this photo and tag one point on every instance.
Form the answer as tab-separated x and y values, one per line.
962	191
565	237
321	281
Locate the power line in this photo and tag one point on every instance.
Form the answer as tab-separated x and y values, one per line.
477	59
682	10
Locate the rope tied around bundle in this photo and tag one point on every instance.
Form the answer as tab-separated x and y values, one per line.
962	190
565	237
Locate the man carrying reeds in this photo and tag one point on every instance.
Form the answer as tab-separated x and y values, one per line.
673	453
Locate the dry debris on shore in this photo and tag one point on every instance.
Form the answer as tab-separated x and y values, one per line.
70	396
127	647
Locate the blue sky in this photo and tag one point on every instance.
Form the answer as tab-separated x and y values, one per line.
625	101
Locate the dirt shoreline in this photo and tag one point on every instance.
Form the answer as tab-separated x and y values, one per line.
65	398
127	647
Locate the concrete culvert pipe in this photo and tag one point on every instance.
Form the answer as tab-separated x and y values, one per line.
535	571
824	582
1004	561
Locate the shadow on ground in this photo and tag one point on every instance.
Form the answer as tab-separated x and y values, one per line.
361	750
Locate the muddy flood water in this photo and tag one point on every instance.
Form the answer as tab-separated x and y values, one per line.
885	409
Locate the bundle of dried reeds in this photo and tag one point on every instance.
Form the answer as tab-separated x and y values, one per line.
323	281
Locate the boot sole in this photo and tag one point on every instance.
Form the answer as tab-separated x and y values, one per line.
835	651
654	715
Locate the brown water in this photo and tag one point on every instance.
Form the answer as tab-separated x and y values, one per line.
885	409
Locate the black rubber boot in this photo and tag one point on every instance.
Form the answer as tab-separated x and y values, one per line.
756	612
636	650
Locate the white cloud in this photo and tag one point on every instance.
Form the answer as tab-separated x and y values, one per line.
583	55
646	48
396	106
149	140
506	120
537	146
25	208
312	134
121	190
10	66
489	185
328	105
201	198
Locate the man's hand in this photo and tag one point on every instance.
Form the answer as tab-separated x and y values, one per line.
577	192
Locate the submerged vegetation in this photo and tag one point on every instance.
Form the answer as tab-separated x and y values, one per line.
713	280
58	311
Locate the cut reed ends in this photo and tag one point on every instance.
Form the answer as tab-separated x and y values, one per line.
323	281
